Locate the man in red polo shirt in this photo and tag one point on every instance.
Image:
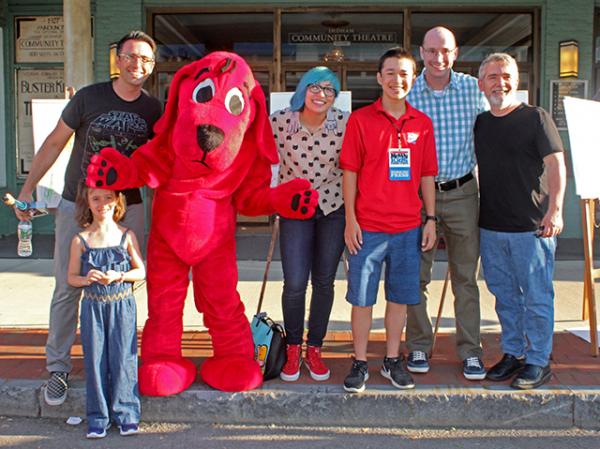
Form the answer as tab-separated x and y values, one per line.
388	154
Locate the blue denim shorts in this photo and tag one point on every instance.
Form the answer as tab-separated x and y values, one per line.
401	253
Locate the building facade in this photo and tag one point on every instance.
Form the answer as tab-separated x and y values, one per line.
281	40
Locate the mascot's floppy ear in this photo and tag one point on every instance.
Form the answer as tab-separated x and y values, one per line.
260	133
166	122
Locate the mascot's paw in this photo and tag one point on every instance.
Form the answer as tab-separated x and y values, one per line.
295	199
231	373
166	377
110	170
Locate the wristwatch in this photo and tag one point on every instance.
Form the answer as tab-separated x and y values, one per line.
430	217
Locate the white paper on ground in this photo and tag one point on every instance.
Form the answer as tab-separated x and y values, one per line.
74	420
583	333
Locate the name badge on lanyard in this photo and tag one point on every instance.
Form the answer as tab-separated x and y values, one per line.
399	164
399	158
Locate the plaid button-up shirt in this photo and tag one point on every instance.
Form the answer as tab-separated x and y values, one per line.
453	112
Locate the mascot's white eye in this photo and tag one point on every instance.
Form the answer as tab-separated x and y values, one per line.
204	91
234	101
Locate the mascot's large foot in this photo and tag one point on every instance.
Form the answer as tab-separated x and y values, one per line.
164	377
231	373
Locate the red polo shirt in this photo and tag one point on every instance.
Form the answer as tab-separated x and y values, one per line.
383	205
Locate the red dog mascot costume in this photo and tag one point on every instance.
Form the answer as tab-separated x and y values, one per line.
210	158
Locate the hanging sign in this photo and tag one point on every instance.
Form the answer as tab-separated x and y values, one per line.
348	37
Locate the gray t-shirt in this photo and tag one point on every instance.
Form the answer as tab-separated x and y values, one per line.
102	119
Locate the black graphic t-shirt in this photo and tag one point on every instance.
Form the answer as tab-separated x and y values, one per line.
102	119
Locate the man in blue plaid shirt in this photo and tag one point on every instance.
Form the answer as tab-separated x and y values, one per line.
452	100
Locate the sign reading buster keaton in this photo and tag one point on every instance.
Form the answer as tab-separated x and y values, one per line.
33	84
39	39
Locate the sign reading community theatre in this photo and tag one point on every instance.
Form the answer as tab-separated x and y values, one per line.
39	39
348	36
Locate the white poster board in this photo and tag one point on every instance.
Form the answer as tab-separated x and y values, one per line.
45	115
584	136
281	100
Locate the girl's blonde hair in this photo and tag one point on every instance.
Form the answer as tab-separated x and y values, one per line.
83	214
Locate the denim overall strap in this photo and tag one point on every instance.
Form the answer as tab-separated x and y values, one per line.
124	238
85	245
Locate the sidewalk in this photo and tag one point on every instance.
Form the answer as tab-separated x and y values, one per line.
443	398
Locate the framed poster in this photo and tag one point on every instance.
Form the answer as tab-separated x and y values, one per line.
559	89
39	39
33	83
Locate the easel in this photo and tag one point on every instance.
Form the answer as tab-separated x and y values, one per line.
589	272
440	309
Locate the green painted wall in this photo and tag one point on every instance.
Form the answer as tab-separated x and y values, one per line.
560	20
565	20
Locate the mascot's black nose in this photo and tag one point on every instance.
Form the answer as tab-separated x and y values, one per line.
209	137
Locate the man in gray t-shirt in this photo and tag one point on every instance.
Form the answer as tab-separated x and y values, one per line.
117	113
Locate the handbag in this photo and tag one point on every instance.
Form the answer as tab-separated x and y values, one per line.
269	345
268	336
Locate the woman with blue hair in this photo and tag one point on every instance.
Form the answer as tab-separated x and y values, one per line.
309	135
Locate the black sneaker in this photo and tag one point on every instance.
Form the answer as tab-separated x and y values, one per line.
55	392
418	362
393	369
356	380
505	368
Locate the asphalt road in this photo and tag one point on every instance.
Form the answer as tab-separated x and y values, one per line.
28	433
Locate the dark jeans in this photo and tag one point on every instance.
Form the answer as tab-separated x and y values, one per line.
310	246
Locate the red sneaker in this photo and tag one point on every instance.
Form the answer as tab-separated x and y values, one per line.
291	369
318	370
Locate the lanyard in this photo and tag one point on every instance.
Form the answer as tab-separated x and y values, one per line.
398	130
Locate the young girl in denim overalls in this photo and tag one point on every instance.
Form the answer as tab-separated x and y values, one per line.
105	260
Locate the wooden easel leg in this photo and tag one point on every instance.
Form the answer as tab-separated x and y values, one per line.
589	298
274	234
440	309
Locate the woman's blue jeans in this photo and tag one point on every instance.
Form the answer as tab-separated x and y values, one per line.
314	247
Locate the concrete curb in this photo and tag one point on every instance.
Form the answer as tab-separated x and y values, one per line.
380	406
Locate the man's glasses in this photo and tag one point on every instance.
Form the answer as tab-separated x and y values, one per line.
317	89
132	57
439	51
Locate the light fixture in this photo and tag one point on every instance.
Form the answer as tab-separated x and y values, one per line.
569	59
112	58
334	21
335	55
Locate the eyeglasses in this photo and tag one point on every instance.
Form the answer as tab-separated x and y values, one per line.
440	51
132	57
317	89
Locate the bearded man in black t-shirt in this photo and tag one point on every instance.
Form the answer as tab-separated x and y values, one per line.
522	180
119	114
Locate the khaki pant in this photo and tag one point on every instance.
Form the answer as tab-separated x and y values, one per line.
458	214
